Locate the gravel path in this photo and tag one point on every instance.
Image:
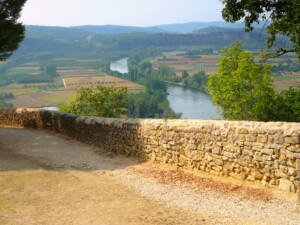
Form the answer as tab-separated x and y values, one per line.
44	175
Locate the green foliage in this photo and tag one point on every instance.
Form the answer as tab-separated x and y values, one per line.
167	60
6	95
152	85
196	81
110	102
285	16
4	104
152	103
290	66
12	32
185	74
164	71
50	71
199	81
286	105
98	101
241	88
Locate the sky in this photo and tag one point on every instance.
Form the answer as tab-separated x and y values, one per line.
119	12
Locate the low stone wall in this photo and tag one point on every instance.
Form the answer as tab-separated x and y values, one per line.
268	153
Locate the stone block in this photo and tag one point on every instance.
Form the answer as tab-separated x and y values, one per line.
216	150
228	154
279	139
267	151
262	138
251	138
292	140
285	185
243	131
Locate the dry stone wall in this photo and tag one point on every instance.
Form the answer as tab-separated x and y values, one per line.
266	153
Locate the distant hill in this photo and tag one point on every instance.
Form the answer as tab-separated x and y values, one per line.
83	32
209	30
56	33
190	27
114	29
168	28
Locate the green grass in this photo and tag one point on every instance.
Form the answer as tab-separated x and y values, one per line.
20	91
58	98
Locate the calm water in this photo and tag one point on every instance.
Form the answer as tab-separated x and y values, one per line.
51	108
191	103
119	65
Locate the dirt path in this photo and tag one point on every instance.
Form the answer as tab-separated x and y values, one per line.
46	179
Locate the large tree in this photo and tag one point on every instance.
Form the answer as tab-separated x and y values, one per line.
284	16
241	88
11	31
99	101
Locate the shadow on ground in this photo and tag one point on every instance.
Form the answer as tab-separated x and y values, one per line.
40	149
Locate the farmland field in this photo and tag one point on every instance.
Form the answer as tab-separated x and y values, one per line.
207	63
74	73
75	82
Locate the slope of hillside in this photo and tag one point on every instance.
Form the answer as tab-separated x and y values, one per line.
54	33
190	27
114	29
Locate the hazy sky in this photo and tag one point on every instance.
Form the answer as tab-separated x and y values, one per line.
119	12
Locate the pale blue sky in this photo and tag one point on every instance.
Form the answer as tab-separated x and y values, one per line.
119	12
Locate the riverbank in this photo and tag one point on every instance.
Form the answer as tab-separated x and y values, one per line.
180	84
192	103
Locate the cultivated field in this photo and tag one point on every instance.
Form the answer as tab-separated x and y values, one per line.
73	74
75	82
207	63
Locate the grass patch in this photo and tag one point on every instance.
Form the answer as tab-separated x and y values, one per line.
20	91
58	98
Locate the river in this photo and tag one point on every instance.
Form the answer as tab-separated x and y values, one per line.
193	104
119	65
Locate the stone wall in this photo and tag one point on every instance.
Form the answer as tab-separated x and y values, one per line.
266	153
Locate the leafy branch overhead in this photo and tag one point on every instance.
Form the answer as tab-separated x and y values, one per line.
11	31
284	16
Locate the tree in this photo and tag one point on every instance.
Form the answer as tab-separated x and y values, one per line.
98	101
286	105
50	71
11	31
185	74
285	16
241	88
198	80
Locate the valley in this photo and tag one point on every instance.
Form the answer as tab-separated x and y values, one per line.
66	59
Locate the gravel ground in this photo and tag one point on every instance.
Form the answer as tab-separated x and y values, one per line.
231	208
183	198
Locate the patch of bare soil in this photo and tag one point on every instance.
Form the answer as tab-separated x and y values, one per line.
179	177
48	179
